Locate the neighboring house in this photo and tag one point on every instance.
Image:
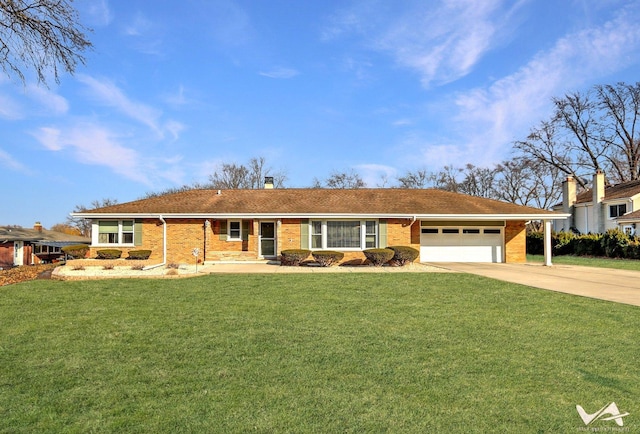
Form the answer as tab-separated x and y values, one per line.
600	208
241	225
24	246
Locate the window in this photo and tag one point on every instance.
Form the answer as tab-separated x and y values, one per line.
429	230
343	234
235	230
115	232
491	231
371	234
617	210
45	250
471	231
316	234
450	231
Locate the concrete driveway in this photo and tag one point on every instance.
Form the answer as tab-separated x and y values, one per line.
620	286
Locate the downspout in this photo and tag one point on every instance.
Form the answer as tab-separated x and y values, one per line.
164	245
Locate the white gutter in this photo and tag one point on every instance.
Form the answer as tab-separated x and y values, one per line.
164	245
413	217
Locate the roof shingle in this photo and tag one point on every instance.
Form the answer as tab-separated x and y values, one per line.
317	201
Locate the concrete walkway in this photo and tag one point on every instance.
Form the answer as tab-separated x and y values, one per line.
609	284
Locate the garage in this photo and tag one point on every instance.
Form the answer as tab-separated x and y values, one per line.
461	242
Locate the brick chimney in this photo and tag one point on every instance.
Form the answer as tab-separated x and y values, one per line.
598	196
37	226
569	195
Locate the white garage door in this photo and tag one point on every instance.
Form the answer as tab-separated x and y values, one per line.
461	244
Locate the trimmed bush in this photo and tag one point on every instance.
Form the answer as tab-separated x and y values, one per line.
378	257
535	243
588	245
293	257
614	242
108	254
404	255
77	251
139	254
632	250
563	243
327	258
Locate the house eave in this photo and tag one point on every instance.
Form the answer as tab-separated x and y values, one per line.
272	216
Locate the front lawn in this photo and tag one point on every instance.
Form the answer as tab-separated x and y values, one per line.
586	261
315	353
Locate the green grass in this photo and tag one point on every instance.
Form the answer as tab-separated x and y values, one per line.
315	353
585	261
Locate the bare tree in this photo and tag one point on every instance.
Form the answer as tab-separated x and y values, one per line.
418	179
620	105
525	182
446	179
44	35
84	226
590	131
341	180
234	176
478	181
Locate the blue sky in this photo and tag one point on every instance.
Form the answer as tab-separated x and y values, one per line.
173	89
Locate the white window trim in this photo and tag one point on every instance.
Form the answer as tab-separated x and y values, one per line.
229	237
363	235
95	234
617	205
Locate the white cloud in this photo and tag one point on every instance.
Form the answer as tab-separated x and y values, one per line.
98	12
53	103
8	161
442	41
94	145
106	92
10	109
280	72
375	175
495	116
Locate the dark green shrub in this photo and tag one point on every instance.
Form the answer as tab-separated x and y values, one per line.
76	251
108	254
588	245
327	258
378	257
614	242
139	254
403	255
563	243
535	243
293	257
632	250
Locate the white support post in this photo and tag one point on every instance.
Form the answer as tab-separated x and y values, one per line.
547	243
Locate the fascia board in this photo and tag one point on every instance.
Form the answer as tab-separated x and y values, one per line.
550	216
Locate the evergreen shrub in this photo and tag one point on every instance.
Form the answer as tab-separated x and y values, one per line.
327	258
76	251
404	255
108	254
378	257
293	257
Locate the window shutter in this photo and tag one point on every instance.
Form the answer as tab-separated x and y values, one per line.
304	234
245	230
382	228
223	230
137	233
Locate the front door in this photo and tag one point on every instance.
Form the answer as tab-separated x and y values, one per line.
18	255
268	239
